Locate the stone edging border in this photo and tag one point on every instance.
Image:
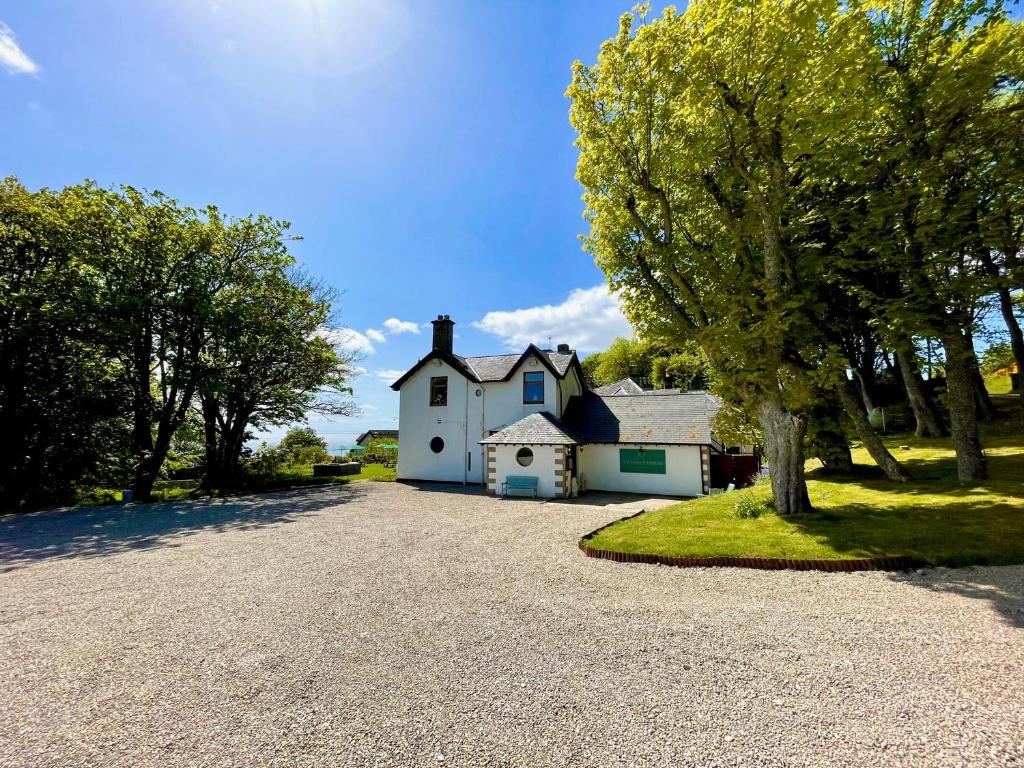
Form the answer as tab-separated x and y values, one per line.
761	563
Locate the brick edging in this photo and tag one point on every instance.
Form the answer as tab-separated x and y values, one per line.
761	563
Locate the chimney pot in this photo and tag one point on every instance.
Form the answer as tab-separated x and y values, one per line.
564	349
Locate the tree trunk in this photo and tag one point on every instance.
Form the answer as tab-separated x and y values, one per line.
986	410
1016	335
833	449
926	415
784	447
963	408
879	453
865	391
826	437
211	476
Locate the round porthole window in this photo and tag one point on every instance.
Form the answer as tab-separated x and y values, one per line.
437	445
524	456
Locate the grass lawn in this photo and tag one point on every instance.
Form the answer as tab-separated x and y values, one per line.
998	385
292	476
932	519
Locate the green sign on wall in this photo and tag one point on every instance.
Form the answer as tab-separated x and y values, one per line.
644	462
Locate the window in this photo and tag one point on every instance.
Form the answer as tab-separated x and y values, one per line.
439	390
533	387
437	445
524	456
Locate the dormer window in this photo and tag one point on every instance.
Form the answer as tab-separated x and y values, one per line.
438	390
533	388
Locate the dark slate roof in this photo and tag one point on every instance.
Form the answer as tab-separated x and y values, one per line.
498	367
456	362
680	418
536	429
624	386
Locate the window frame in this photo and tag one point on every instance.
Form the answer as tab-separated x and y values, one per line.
527	383
438	380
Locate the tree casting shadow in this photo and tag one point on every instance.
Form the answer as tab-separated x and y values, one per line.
109	530
1002	588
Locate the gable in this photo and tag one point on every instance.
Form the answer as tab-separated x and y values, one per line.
454	361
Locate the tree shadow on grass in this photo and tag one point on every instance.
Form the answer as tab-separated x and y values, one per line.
932	519
110	530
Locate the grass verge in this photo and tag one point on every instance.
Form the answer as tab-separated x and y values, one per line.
932	519
287	477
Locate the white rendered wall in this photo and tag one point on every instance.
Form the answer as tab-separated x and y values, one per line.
467	419
599	465
419	422
543	467
504	399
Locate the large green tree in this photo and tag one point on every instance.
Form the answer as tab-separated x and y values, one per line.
61	397
268	359
700	135
942	96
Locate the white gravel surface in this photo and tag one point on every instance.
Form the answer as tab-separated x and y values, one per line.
381	624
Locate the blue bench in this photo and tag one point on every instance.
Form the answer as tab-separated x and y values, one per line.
519	483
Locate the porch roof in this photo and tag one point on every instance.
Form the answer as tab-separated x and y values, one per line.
536	429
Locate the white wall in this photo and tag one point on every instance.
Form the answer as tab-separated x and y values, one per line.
600	466
419	422
503	400
543	467
464	422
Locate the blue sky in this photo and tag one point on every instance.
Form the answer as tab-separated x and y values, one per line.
422	150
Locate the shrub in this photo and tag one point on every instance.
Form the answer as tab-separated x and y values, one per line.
749	507
266	460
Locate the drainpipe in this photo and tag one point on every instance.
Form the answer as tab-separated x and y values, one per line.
483	428
465	438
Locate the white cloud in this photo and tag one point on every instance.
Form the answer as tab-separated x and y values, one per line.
389	376
374	335
587	321
394	325
347	340
12	58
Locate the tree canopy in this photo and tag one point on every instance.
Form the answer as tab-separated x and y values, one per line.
127	320
751	185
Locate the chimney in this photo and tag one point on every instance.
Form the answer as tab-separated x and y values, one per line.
564	349
443	334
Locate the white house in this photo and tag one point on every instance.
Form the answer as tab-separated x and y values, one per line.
530	417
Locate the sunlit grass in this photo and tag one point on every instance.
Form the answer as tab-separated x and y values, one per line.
998	385
932	519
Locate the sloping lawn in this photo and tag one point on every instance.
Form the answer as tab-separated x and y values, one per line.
932	519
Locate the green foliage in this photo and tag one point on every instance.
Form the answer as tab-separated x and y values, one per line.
302	447
302	437
658	363
123	314
751	507
61	396
266	460
785	184
997	357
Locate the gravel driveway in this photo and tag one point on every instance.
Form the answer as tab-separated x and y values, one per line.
382	624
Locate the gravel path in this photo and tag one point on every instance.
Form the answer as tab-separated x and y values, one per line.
381	624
